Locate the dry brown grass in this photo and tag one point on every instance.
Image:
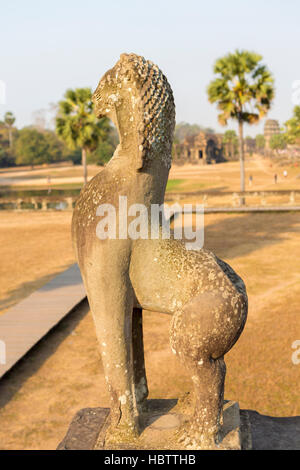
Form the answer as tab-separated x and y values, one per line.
33	247
63	373
226	176
221	177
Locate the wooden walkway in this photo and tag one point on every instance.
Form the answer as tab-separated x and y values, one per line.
26	323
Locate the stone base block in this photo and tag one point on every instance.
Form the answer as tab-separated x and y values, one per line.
85	429
159	425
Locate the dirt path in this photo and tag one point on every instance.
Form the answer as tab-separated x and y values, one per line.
264	165
264	299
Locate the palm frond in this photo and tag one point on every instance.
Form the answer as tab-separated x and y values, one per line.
243	88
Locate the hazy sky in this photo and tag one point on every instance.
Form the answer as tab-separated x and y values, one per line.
47	47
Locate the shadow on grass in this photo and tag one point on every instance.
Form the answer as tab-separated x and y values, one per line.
240	235
269	433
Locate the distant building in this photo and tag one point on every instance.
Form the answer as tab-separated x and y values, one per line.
203	148
271	128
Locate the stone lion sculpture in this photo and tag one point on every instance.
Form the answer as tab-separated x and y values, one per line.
206	298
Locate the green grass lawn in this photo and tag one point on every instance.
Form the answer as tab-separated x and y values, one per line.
189	185
174	185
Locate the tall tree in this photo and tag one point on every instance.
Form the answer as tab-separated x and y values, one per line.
243	90
31	147
260	141
77	124
6	158
230	139
9	120
293	126
278	142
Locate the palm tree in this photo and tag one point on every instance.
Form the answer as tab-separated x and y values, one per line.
9	120
243	90
77	124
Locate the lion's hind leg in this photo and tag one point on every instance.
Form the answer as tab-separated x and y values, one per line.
200	338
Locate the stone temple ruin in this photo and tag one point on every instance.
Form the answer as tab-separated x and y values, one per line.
203	148
271	128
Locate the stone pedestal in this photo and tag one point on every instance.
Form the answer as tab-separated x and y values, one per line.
85	429
160	426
